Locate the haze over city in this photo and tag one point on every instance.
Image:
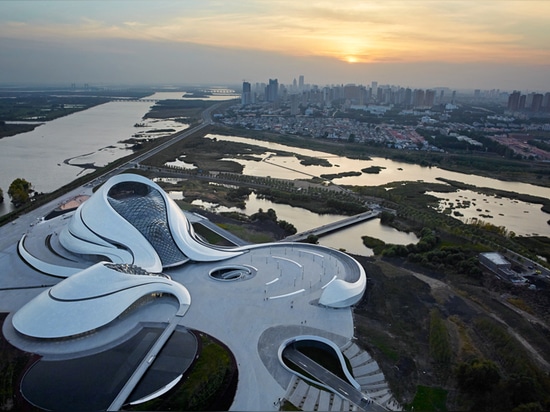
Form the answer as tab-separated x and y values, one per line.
460	44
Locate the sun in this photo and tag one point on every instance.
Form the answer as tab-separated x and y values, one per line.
351	59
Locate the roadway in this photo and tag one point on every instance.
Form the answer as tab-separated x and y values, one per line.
339	386
206	120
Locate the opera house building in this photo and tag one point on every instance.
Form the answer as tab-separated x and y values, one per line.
133	284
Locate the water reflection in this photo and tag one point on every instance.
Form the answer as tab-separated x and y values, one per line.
63	149
522	218
348	239
392	170
527	221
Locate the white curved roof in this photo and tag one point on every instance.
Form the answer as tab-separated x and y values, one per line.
342	293
89	300
97	228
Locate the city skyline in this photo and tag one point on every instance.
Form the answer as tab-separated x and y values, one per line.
466	45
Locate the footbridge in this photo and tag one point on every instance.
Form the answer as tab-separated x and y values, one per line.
334	226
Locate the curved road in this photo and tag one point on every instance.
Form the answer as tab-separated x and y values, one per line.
339	386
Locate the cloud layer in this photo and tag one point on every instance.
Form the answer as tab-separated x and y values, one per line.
477	44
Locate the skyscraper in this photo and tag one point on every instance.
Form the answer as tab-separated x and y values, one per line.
272	90
246	97
536	104
374	87
429	98
513	101
418	98
301	83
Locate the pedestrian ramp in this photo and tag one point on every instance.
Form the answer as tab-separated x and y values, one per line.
366	372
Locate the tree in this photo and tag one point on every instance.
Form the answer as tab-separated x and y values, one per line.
386	218
288	227
313	239
19	191
478	376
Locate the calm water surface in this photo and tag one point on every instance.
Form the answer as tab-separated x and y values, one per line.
302	219
59	151
519	217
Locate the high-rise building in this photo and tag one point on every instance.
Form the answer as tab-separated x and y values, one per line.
529	100
301	83
408	97
374	87
294	104
418	98
354	93
246	96
513	101
429	98
536	104
546	101
272	90
522	99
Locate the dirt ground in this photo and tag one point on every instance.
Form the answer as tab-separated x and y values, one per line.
393	323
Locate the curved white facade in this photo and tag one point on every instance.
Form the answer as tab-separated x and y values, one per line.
130	219
91	299
342	293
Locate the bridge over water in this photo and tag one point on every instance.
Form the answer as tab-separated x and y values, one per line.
334	226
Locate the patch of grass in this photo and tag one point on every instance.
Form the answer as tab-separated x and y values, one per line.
313	161
373	169
466	349
429	399
440	345
199	390
326	359
390	270
376	245
211	237
520	303
246	234
381	342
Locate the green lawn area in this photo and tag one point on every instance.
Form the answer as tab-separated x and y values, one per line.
429	399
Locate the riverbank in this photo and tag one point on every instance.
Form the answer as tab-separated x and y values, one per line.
12	129
487	165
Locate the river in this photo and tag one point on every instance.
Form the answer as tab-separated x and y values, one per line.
57	152
522	218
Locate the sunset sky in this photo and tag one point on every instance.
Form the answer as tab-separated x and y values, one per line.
463	44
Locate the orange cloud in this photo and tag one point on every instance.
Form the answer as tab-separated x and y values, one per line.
351	31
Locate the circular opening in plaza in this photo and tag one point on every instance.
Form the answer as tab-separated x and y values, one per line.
232	273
